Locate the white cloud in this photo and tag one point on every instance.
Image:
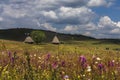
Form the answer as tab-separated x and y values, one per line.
80	15
90	26
108	28
70	28
116	31
68	12
97	3
50	14
69	15
118	24
1	19
15	13
87	34
48	27
106	22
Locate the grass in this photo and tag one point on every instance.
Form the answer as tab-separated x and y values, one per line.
74	60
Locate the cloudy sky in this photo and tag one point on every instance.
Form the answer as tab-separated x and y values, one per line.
97	18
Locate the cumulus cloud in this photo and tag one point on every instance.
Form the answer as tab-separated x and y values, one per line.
69	15
116	31
96	3
80	15
118	24
70	28
108	28
15	13
81	29
48	27
106	22
50	14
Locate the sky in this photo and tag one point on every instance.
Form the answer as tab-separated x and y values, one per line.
96	18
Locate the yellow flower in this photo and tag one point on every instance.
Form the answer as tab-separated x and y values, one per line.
78	77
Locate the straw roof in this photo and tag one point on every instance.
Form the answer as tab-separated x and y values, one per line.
55	40
29	40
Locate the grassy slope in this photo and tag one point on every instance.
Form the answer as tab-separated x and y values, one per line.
75	47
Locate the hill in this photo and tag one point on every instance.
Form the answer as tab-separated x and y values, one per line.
18	34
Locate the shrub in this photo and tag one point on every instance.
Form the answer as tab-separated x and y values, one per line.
38	36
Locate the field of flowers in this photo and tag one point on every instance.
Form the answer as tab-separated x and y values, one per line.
19	61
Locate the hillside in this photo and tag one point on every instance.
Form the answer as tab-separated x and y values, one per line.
18	34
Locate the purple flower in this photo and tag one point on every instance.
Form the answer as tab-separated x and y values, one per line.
48	56
110	63
82	60
54	65
12	60
100	66
9	54
63	63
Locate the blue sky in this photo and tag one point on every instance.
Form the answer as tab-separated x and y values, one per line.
96	18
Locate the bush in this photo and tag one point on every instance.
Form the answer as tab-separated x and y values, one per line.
38	36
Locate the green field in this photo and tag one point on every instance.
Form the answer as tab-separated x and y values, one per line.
73	60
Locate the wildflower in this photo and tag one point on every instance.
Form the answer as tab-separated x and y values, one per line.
100	66
113	60
12	60
83	75
82	59
78	76
88	68
34	55
48	56
63	63
54	65
98	58
39	57
66	77
110	63
9	54
96	62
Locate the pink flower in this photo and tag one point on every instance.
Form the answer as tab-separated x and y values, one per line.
54	65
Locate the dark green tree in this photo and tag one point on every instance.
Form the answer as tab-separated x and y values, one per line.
38	36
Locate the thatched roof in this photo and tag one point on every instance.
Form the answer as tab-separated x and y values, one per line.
29	40
55	40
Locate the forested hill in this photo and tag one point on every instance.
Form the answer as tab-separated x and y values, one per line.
18	34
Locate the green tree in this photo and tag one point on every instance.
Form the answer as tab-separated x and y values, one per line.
38	36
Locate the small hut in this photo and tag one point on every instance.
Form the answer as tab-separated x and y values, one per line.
55	40
29	40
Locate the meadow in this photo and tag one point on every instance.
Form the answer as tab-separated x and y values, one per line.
73	60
